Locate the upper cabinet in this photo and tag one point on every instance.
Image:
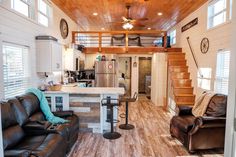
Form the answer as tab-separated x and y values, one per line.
49	55
73	58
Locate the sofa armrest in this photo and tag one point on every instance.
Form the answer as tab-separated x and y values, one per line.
63	113
210	122
36	127
184	110
14	153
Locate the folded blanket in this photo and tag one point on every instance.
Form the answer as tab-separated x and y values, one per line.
45	107
200	106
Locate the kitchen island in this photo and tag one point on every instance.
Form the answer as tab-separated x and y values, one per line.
86	103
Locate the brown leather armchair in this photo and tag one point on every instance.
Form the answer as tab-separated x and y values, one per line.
206	132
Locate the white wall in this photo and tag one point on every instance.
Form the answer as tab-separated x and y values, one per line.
16	28
159	77
218	37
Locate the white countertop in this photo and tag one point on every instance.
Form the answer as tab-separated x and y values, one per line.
71	89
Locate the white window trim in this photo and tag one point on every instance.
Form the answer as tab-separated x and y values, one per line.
29	81
49	16
35	19
228	17
28	4
221	78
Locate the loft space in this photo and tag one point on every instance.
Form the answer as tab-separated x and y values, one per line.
117	78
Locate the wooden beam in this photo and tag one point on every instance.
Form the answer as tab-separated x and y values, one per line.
131	50
160	32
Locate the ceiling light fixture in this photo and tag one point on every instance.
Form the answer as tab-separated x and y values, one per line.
160	14
103	28
149	28
95	14
127	26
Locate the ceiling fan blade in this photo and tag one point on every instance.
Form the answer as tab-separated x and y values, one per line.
138	24
142	19
124	18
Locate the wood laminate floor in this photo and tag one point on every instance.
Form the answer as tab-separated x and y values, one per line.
150	138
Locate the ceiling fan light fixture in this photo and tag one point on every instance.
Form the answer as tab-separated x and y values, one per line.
127	26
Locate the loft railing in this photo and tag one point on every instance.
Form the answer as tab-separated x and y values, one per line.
121	41
194	58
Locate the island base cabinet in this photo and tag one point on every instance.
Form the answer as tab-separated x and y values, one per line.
58	102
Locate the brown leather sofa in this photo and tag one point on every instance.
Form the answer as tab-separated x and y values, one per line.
198	133
27	133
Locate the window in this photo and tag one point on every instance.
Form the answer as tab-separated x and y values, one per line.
21	6
216	13
173	37
25	7
222	72
204	78
43	13
16	72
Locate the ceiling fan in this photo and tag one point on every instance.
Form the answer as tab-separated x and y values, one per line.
128	22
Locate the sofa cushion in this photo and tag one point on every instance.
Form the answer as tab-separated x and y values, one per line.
12	136
217	106
184	123
31	142
52	146
38	116
19	110
8	117
30	103
12	132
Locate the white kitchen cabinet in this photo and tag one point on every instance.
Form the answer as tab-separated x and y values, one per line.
58	102
49	56
72	58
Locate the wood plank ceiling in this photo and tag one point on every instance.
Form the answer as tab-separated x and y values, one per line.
111	11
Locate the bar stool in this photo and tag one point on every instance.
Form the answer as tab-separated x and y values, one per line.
127	126
107	102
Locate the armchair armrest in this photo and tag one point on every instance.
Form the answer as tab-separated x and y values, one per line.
210	122
63	113
14	153
184	110
36	127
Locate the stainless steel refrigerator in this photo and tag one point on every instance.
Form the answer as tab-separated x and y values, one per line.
105	74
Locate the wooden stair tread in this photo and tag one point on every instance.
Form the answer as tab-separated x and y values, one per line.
175	53
180	95
185	103
183	87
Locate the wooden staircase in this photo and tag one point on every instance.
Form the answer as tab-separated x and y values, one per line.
179	79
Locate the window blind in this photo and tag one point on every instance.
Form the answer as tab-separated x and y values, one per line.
16	72
222	72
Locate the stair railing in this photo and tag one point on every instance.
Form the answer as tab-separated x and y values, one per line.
194	58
